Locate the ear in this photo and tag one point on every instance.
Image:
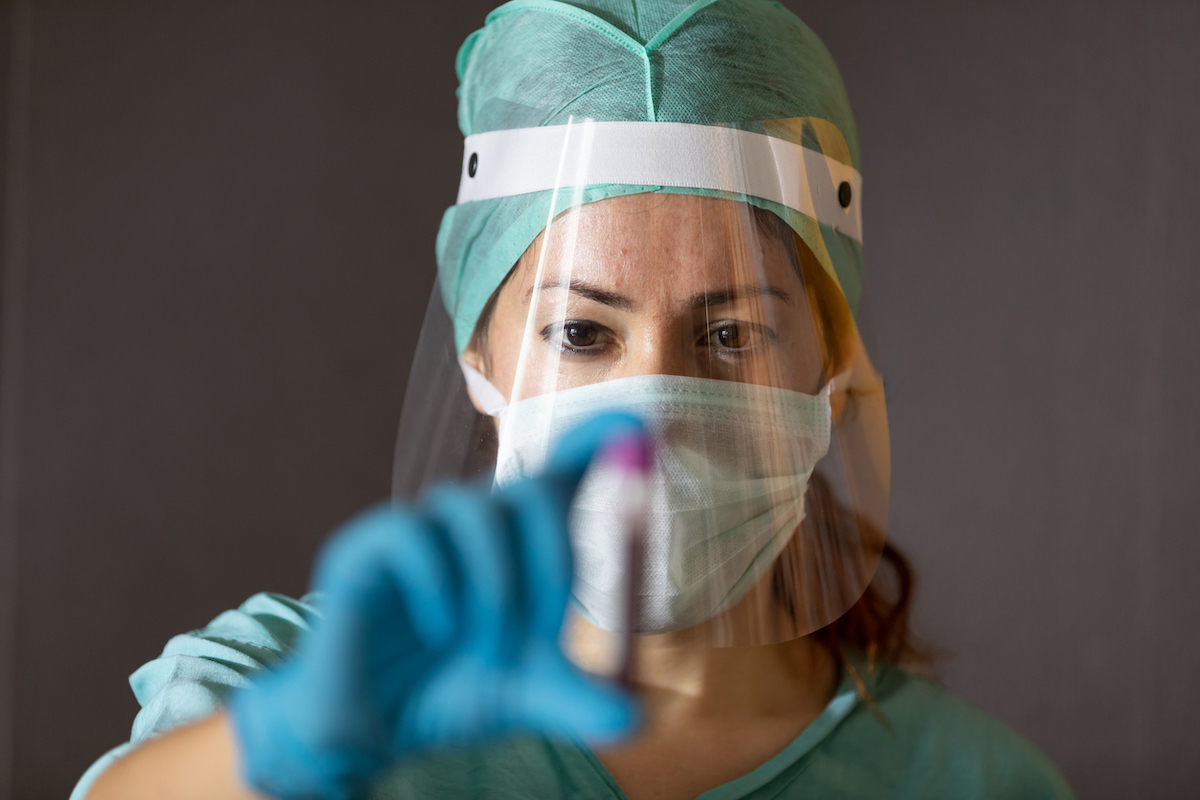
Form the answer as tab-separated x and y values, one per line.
472	359
852	364
485	397
863	380
470	356
837	403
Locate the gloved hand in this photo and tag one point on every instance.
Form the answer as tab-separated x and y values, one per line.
440	627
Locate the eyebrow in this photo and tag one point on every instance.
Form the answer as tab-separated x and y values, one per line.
699	301
735	293
590	292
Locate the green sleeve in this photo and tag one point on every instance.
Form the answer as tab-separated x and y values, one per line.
197	670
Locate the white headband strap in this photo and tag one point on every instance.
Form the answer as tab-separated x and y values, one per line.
523	160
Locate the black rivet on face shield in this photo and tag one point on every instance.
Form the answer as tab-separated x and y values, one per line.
473	165
843	191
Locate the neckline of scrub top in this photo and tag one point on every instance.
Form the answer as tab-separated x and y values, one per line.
844	699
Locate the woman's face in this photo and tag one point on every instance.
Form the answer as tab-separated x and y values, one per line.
653	284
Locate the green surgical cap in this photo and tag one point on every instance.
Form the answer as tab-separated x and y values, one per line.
749	64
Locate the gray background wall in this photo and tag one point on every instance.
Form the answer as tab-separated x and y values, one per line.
217	228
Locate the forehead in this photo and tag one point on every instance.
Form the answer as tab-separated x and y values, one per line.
658	240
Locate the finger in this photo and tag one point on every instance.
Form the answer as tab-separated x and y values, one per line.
575	451
474	528
539	527
383	556
541	508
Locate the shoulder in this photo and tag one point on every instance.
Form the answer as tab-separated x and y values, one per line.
923	741
196	670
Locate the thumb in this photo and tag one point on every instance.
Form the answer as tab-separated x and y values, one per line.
578	447
555	697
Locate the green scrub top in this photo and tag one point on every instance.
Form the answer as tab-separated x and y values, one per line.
920	741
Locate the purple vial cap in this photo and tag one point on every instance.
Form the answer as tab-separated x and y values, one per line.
630	453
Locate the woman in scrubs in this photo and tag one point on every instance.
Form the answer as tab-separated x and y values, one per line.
673	581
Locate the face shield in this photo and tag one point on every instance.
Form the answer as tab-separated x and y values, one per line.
686	274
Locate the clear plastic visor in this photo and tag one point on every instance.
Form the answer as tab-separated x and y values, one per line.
762	515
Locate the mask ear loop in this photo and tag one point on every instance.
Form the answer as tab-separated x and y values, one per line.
491	402
838	383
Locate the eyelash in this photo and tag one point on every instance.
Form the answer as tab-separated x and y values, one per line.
556	330
736	352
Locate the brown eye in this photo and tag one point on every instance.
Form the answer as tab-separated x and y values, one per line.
731	337
737	338
580	334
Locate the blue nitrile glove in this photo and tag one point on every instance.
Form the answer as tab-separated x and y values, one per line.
440	627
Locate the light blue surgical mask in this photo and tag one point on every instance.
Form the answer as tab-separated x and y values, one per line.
725	494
